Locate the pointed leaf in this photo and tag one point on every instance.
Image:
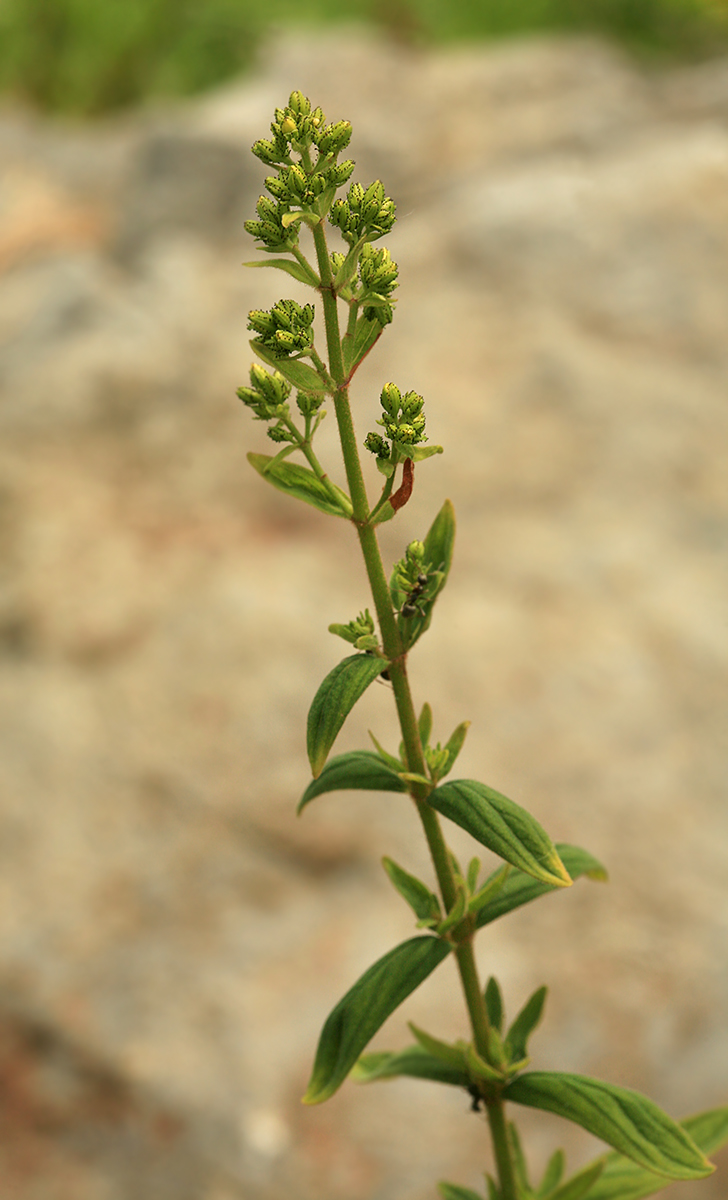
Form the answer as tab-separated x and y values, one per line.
355	348
454	1056
520	888
333	702
366	1006
439	543
501	825
456	913
395	763
624	1180
302	484
455	745
451	1191
296	269
479	1068
296	372
624	1119
421	900
493	1192
420	453
413	1062
494	1003
581	1184
385	513
553	1173
359	770
516	1044
490	888
425	725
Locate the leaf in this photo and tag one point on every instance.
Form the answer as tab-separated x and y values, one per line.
456	913
494	1003
580	1185
454	1056
520	888
455	745
519	1158
479	1068
516	1043
359	770
296	372
439	543
366	1006
425	725
420	453
421	900
302	484
386	512
356	348
501	825
413	1062
395	763
308	218
553	1173
624	1119
333	702
296	269
490	888
451	1191
624	1180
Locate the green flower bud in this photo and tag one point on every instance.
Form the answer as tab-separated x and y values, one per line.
309	403
300	104
288	126
341	172
377	445
334	138
391	398
279	433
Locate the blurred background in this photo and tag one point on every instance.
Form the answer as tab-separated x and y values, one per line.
171	936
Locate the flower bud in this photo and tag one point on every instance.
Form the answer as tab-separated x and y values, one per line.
391	398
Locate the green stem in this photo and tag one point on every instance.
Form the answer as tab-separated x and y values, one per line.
394	651
501	1149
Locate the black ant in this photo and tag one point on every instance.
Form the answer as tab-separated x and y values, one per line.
476	1098
409	608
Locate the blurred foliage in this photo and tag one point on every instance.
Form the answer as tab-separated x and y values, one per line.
94	56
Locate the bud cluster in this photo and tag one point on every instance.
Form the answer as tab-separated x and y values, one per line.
299	185
285	330
363	214
411	572
359	632
403	420
267	398
378	273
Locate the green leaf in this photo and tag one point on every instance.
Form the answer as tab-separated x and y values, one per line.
455	745
296	372
296	269
366	1006
359	770
451	1191
479	1069
624	1180
456	913
516	1043
420	453
421	900
624	1119
395	763
302	484
580	1185
454	1056
425	725
333	702
413	1062
494	1003
439	543
520	889
308	218
490	888
493	1192
501	825
553	1173
356	348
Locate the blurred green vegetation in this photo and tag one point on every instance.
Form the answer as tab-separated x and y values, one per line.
94	56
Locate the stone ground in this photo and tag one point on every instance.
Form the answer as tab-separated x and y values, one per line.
172	938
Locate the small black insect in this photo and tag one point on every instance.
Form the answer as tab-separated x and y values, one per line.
476	1098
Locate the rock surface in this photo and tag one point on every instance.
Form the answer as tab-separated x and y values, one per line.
172	937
